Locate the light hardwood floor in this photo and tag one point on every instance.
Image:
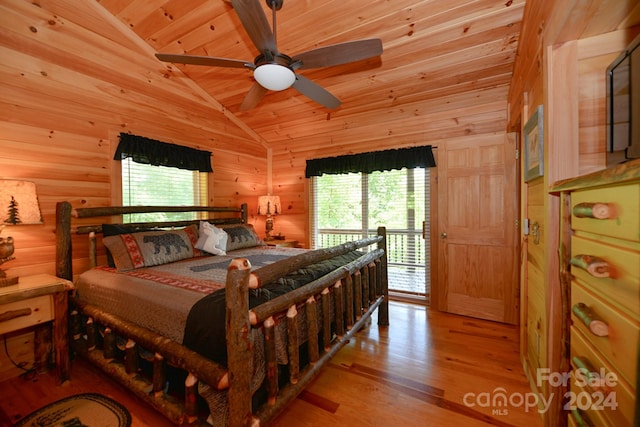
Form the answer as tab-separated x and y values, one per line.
416	372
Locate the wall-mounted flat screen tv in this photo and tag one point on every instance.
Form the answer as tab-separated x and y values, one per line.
623	106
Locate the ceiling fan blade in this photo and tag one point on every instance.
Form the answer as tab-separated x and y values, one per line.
204	60
315	92
341	53
255	23
253	97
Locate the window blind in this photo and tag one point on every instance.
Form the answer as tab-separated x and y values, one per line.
149	185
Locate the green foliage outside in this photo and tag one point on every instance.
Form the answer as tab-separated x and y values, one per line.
390	200
145	185
395	199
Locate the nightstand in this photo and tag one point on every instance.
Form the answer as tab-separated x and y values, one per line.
41	301
283	243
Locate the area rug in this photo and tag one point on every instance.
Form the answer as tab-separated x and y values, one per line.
89	409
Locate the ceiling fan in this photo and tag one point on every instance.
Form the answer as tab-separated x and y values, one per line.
274	70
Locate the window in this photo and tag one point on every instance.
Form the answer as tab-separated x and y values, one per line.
156	173
161	186
350	206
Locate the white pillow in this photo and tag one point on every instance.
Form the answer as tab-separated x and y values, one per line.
212	239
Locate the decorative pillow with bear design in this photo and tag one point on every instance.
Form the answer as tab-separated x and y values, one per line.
241	236
145	249
114	230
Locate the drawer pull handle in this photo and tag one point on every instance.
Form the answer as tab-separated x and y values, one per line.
597	267
581	418
585	369
594	210
596	325
12	314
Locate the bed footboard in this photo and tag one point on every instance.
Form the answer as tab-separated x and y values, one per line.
336	307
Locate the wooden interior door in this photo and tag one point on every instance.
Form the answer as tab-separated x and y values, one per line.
476	228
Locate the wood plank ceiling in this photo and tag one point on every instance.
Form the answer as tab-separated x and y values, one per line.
447	64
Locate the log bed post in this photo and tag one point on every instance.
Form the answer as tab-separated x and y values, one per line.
239	352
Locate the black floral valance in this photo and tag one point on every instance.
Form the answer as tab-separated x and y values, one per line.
151	152
413	157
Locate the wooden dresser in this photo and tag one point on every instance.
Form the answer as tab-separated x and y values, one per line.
600	271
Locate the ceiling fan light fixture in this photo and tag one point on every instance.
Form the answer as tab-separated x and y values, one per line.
274	76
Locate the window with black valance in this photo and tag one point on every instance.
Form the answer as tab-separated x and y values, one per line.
409	158
151	152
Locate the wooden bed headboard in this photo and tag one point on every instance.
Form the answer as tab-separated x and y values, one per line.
65	213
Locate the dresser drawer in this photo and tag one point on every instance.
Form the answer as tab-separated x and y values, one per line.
30	312
625	200
620	347
623	285
624	396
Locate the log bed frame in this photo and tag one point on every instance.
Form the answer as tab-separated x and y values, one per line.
349	295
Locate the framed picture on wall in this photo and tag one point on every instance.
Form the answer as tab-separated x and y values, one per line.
534	146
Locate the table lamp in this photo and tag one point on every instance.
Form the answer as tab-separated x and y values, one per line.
269	205
18	206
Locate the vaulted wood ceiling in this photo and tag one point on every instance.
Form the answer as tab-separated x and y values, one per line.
446	63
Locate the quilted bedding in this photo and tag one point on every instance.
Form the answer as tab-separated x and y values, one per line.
159	298
184	300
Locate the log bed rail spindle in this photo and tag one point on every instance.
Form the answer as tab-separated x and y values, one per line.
272	364
325	295
293	344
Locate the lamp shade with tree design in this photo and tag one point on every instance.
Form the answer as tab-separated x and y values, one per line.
18	206
269	205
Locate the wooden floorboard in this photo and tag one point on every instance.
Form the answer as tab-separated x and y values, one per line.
418	370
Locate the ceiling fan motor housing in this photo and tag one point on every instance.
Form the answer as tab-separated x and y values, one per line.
274	4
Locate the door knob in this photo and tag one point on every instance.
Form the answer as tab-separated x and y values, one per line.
443	235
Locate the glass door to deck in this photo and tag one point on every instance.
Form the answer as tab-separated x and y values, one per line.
351	206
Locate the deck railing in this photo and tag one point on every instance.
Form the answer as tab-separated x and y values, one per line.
406	258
